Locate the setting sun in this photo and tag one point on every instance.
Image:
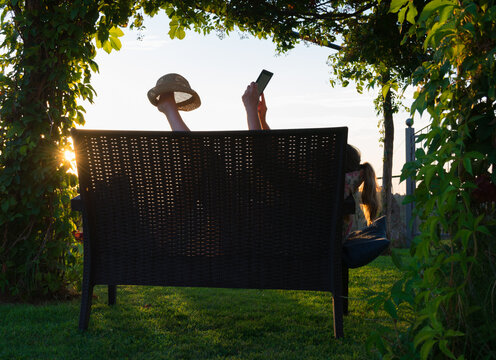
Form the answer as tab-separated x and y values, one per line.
69	155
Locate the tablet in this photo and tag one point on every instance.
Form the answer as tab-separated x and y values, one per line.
263	80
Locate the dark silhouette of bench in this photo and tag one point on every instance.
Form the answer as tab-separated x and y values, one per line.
225	209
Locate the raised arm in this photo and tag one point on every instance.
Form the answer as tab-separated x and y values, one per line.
256	108
262	112
250	100
168	106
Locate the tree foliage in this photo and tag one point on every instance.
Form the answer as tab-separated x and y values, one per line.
374	55
448	287
47	58
286	22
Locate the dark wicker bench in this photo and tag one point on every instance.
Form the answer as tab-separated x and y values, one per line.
230	209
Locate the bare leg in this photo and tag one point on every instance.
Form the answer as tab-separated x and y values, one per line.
168	106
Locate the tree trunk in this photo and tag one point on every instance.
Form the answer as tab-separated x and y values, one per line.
388	160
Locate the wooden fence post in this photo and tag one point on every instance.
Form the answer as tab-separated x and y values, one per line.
410	220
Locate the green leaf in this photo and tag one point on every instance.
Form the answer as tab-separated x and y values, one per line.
471	8
445	13
464	235
397	259
397	293
385	90
107	46
169	11
180	33
492	93
432	35
451	333
483	229
426	349
430	170
74	12
412	13
467	164
115	43
401	15
172	30
444	348
433	6
396	5
475	155
2	17
424	334
391	309
115	31
94	66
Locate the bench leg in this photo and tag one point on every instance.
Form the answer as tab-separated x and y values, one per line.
112	292
346	279
84	314
338	316
340	299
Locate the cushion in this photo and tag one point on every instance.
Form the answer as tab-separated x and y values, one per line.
363	246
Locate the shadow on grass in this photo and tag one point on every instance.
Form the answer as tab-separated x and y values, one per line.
195	323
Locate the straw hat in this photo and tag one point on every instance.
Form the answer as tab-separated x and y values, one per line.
186	98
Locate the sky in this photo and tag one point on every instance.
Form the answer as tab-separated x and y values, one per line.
299	94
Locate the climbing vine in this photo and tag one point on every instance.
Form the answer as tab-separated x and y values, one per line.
447	294
46	61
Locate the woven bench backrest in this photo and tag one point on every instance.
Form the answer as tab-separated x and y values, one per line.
239	209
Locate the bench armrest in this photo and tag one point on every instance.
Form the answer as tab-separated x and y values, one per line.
77	203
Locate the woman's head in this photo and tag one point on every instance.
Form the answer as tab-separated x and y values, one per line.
353	157
370	191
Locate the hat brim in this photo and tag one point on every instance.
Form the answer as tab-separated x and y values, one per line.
186	99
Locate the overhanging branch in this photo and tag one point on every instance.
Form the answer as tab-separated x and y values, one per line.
319	42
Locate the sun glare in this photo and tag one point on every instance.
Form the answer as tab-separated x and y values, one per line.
69	155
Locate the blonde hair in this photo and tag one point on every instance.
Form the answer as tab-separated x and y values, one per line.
370	190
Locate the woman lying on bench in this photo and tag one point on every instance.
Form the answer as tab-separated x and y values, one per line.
173	93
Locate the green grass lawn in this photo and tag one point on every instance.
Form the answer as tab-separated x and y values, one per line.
195	323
